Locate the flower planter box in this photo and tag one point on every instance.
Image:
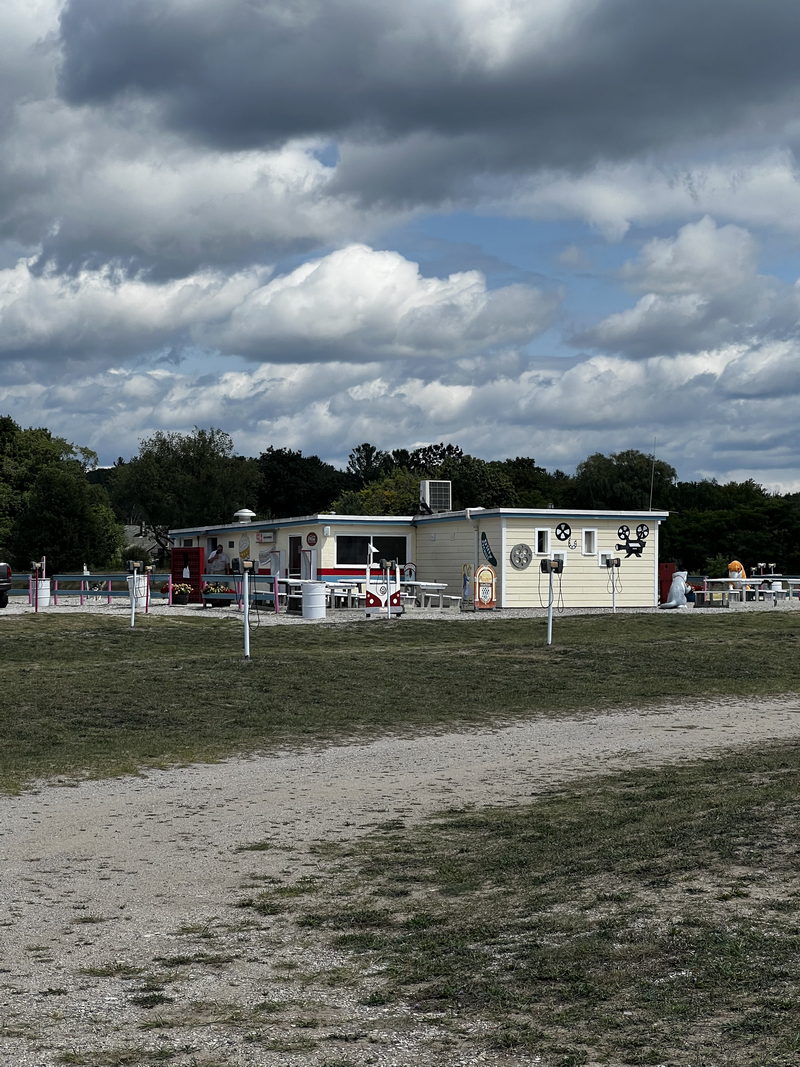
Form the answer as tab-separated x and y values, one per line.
218	595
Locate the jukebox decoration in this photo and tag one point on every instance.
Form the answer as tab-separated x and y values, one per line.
485	587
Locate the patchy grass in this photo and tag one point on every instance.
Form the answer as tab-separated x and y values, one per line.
88	695
646	918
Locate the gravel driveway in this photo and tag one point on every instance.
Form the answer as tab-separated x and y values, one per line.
102	878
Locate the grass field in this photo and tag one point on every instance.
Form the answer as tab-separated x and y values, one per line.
650	917
645	918
88	695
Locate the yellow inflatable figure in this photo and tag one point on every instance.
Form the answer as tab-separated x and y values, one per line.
736	570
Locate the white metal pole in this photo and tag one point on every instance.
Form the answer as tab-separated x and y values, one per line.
550	609
132	580
613	591
246	593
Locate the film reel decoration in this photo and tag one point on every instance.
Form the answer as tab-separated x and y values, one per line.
521	556
563	531
642	531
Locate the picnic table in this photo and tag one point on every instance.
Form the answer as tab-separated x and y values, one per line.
425	593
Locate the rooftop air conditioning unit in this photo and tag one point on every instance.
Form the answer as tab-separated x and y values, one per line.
437	495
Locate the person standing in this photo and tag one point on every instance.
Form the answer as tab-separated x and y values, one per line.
218	562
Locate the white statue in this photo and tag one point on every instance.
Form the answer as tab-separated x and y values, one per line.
677	591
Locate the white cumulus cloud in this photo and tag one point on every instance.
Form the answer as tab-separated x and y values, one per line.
366	304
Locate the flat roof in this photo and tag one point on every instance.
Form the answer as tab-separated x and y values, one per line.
330	519
543	513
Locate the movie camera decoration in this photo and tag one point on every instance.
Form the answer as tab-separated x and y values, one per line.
632	546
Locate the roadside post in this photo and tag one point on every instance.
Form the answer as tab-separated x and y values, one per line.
247	566
612	562
551	567
133	568
36	569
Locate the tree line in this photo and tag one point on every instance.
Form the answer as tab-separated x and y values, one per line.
56	501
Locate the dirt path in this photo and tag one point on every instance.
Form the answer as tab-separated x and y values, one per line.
130	869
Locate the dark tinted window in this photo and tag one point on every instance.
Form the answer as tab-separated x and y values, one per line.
352	551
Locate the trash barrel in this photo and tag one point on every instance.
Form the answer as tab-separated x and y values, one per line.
42	592
314	600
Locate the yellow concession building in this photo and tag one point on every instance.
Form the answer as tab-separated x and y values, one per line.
455	547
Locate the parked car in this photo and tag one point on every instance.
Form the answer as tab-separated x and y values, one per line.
5	584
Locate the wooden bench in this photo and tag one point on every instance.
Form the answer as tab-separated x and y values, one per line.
452	600
711	598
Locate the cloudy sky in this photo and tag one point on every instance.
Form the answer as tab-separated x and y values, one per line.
529	227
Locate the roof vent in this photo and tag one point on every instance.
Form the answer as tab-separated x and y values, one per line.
244	515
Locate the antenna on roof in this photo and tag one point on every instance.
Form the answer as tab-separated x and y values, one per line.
652	476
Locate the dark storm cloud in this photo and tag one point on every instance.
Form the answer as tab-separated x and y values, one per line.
613	80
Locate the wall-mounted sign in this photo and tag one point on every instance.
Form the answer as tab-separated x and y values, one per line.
487	550
311	539
265	537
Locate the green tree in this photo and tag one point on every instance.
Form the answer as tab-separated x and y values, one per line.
431	460
737	520
184	480
535	487
394	494
67	520
629	479
477	483
23	455
366	463
34	463
294	484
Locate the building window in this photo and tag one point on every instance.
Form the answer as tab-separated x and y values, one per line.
187	542
353	550
589	542
543	542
